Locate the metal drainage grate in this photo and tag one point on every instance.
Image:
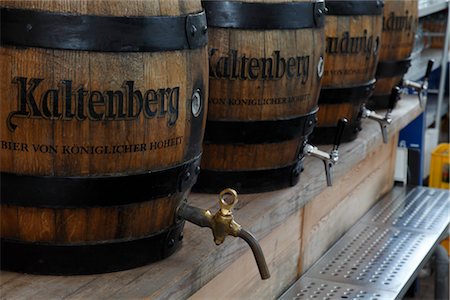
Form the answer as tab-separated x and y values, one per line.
313	288
422	209
380	254
374	257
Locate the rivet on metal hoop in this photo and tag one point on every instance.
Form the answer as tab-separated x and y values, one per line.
320	67
196	103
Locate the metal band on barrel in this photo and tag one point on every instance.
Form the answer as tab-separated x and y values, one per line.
52	30
249	181
379	102
392	68
354	7
346	95
259	132
326	135
65	192
91	257
244	15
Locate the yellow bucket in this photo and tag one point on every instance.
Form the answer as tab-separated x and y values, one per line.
440	167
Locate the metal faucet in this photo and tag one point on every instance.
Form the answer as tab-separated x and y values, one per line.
329	159
421	87
386	120
222	224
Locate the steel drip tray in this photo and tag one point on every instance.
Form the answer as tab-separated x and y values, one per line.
382	252
423	209
379	258
313	288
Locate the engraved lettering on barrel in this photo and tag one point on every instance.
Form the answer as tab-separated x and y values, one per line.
352	45
394	22
235	66
66	104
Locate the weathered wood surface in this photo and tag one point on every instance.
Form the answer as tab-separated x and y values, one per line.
275	218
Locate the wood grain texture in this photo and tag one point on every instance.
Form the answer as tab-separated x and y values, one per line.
329	114
258	75
251	156
400	22
65	145
351	49
74	225
282	248
351	56
199	261
78	115
333	212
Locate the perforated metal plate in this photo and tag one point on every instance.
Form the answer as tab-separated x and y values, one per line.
382	252
423	209
313	288
374	257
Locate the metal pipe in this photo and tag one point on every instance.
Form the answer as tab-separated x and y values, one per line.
441	278
194	215
257	253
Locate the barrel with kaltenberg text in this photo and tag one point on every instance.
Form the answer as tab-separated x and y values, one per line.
400	23
353	32
265	67
102	117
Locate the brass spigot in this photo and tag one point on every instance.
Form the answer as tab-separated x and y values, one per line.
386	120
222	224
329	159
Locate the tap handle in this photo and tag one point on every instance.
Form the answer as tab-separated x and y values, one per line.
339	132
429	69
395	95
227	200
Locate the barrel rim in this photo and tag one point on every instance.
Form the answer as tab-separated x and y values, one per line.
245	15
65	31
354	7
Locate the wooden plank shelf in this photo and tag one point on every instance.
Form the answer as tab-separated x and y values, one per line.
295	226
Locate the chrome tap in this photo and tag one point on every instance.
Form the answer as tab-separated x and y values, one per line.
329	159
421	87
386	120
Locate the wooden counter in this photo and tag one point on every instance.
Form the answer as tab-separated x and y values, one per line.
295	226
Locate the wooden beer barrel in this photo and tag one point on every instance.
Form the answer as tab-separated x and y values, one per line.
352	31
400	23
265	66
102	120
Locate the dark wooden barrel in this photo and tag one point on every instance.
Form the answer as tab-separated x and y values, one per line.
102	121
265	66
400	22
353	31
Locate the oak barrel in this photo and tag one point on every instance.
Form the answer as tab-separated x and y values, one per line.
103	114
400	23
265	66
353	32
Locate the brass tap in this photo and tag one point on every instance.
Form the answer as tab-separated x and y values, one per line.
222	224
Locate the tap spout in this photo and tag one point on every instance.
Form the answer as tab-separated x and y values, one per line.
257	253
222	224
